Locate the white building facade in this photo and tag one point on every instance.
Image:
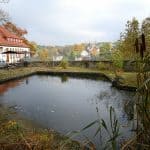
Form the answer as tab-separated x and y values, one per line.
13	54
57	58
12	48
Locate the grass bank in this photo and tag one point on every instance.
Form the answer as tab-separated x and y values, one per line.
18	134
129	78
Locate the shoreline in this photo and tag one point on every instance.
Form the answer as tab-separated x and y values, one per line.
22	130
95	75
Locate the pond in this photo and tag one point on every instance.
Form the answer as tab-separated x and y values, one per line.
66	104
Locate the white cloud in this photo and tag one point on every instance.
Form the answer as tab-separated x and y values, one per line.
68	21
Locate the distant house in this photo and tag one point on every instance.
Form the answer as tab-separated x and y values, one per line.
12	47
90	52
93	49
57	58
78	58
85	55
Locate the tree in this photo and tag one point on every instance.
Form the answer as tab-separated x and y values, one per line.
43	54
117	59
127	39
76	51
53	51
4	1
146	30
105	47
32	46
79	47
105	51
4	17
75	54
14	29
72	55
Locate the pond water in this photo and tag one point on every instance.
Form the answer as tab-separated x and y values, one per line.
67	104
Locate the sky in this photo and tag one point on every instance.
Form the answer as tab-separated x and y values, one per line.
63	22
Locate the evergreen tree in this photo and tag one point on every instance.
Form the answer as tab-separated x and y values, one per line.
127	39
146	30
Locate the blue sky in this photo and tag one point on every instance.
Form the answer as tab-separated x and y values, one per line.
62	22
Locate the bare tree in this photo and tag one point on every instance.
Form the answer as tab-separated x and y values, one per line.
4	1
4	17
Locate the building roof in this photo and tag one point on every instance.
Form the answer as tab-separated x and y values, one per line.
5	35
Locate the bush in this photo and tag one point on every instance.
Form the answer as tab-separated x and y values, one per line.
103	66
64	64
117	59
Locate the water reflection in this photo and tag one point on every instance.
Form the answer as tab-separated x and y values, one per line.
8	85
122	101
129	109
27	81
64	78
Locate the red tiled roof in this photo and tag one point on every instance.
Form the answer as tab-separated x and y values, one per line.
5	34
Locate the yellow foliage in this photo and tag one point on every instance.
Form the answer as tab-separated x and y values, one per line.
79	47
44	138
11	124
94	52
43	54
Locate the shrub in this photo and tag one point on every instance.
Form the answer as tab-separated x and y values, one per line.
103	66
64	64
117	59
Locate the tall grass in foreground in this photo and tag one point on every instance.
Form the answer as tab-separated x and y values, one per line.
142	139
112	131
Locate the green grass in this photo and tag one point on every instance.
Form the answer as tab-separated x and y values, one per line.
129	77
